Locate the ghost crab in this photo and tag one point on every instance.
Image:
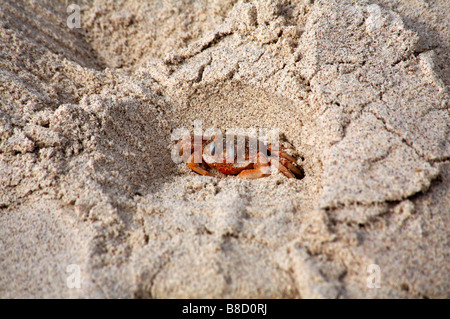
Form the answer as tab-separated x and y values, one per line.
249	163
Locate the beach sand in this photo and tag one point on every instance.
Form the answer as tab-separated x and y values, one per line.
88	187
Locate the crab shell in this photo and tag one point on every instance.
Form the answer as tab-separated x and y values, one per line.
234	157
238	158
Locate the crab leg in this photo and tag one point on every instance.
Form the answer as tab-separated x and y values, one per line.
281	168
196	167
285	160
294	169
280	153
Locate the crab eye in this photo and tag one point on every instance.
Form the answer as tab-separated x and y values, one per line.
212	148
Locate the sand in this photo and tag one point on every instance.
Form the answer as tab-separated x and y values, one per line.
87	182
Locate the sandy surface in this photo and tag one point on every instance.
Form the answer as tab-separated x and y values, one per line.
359	88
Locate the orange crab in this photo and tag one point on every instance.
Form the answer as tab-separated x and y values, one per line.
233	160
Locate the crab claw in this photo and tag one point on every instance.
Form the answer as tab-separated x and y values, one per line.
196	166
261	168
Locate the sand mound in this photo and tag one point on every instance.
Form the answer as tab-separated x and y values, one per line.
359	90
